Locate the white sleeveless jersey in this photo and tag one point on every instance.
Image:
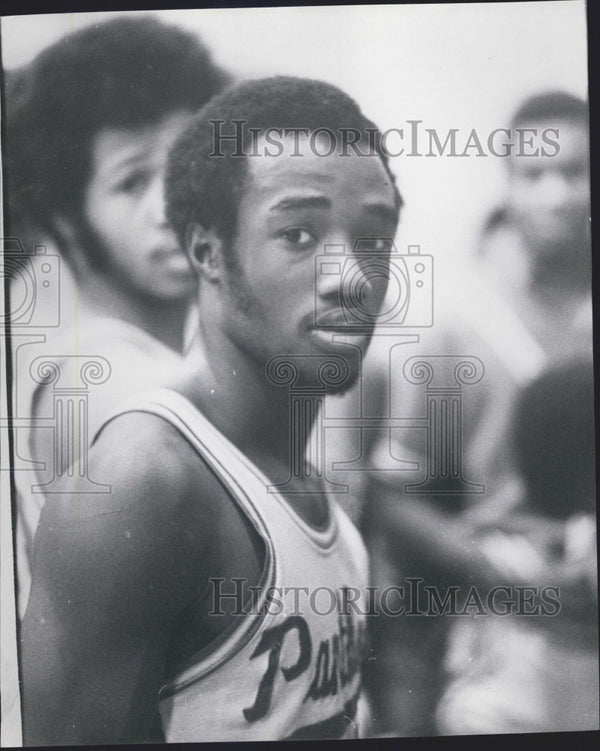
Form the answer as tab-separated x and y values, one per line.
291	667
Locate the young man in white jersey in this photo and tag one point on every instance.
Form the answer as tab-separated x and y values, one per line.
90	122
200	591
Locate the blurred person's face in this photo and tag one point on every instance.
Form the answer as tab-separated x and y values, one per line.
549	195
124	212
290	210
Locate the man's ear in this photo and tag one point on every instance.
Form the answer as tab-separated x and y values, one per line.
205	251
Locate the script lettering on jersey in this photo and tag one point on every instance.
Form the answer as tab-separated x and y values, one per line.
272	639
339	660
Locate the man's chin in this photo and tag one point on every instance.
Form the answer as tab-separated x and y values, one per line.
179	291
338	372
327	362
343	388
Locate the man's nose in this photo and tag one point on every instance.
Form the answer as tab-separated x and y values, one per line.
345	275
553	190
155	201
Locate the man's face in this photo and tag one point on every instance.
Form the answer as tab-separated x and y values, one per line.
291	208
124	210
549	196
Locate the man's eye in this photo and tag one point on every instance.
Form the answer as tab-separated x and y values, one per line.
298	237
573	171
533	174
374	245
132	183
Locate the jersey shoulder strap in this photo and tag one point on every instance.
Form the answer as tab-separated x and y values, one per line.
223	458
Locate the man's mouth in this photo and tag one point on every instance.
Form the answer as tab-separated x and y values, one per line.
336	321
173	259
329	336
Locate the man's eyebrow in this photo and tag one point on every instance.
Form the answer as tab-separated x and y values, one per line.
301	202
121	162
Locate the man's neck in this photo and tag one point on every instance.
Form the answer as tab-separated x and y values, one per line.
234	392
163	320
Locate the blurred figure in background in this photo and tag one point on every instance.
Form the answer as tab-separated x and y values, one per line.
541	234
537	670
523	305
89	125
537	247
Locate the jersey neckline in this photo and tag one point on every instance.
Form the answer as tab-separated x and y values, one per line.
323	537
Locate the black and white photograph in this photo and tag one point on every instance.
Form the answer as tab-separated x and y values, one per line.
297	388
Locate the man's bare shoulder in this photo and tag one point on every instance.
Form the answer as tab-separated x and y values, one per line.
141	450
157	520
143	466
